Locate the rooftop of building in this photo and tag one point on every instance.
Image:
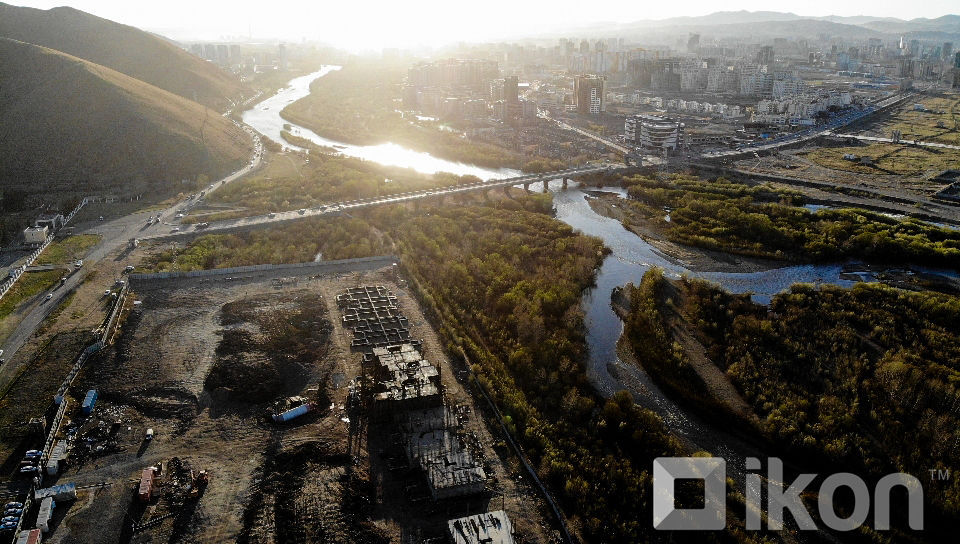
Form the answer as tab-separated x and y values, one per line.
489	527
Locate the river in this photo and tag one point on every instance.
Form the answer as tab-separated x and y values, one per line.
265	118
631	256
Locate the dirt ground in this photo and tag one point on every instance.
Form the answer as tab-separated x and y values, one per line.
201	364
901	194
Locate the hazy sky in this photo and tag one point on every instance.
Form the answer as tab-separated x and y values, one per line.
369	24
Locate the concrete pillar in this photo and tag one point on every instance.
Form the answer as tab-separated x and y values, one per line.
565	180
546	186
526	187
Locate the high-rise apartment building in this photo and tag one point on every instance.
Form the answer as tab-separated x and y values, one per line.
589	91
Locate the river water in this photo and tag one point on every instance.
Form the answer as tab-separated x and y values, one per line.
265	118
631	256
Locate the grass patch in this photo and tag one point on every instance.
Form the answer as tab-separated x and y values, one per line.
55	315
68	249
893	159
923	125
31	392
29	285
763	222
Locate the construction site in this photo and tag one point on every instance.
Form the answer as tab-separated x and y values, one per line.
282	406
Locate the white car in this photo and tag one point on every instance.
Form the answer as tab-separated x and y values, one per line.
49	296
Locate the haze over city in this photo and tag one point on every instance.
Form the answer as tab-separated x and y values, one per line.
494	273
371	25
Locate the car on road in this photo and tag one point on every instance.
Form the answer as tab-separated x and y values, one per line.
30	454
271	215
79	263
302	211
10	505
175	229
202	225
129	268
179	216
49	296
106	293
29	470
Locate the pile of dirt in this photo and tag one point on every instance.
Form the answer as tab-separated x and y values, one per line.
243	371
268	347
310	494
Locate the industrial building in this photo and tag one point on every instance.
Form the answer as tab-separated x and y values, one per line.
35	235
486	528
653	132
52	221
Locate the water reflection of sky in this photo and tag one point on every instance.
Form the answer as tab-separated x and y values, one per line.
265	118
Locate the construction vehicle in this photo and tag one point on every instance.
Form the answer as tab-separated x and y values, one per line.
198	483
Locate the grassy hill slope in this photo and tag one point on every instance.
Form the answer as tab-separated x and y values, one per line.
71	126
122	48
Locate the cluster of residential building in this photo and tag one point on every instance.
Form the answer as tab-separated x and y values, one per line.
800	109
693	107
469	89
243	58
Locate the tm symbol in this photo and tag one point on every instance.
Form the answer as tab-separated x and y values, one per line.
939	475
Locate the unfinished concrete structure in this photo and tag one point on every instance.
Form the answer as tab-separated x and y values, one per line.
403	379
434	440
486	528
372	314
403	390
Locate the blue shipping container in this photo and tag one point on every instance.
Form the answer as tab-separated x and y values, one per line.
89	402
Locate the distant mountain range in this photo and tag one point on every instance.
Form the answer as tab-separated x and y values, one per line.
90	106
773	23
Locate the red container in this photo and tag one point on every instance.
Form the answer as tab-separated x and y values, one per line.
146	484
